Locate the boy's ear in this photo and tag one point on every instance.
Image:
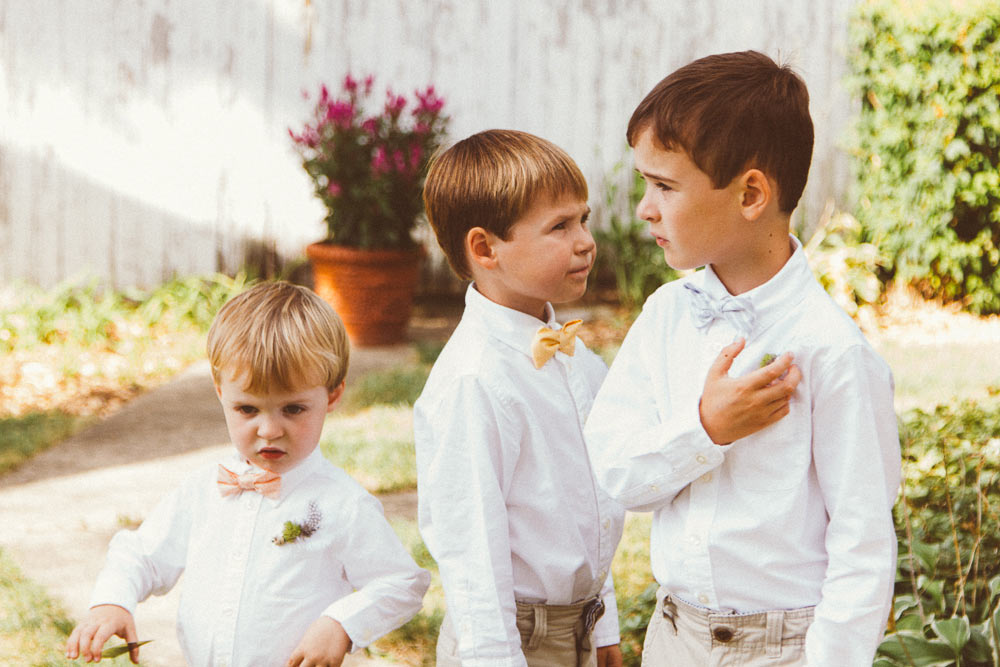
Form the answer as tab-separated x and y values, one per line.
479	248
755	193
334	396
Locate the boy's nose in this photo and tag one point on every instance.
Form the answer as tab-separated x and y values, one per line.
268	429
644	210
585	242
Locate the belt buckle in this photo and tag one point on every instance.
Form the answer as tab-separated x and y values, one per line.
592	612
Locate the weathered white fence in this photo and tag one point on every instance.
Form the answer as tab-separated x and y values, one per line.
144	138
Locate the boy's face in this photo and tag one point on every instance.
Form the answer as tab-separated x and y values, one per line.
694	222
547	256
275	431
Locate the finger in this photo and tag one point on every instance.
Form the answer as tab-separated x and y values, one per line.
101	637
130	638
762	377
295	660
73	644
720	367
85	639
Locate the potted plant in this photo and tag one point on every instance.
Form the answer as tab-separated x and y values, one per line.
368	170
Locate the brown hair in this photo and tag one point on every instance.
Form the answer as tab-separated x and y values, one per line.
490	180
278	337
731	112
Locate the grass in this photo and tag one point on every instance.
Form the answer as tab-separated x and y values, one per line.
33	628
24	436
374	445
929	375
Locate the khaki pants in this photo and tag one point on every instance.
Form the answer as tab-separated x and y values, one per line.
682	635
551	636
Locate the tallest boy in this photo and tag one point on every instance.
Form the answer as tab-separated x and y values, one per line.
772	488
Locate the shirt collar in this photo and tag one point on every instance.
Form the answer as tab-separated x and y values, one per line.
510	326
773	299
289	479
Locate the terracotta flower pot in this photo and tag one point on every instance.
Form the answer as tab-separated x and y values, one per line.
371	290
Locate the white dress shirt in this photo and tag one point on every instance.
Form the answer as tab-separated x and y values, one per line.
247	601
508	504
797	514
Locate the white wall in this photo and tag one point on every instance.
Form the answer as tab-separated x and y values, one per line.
143	138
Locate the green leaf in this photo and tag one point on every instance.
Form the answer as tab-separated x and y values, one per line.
955	631
115	651
913	649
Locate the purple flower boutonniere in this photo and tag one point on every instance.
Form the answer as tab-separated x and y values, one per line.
294	532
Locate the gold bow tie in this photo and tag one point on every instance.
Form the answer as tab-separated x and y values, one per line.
265	483
547	341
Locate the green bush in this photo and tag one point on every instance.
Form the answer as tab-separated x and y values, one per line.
926	151
948	526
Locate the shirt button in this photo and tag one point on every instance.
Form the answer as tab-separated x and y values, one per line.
694	540
703	599
654	487
701	459
707	477
607	524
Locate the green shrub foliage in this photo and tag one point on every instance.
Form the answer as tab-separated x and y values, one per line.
926	151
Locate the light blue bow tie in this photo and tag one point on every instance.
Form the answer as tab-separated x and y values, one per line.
736	310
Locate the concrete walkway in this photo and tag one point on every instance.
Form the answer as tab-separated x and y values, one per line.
59	509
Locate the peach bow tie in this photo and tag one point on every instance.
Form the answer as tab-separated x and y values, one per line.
265	483
547	341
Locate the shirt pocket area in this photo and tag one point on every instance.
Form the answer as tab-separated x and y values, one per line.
776	458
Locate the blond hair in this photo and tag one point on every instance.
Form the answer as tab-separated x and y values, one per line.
490	180
278	337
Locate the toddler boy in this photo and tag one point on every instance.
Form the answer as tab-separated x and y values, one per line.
286	559
771	488
508	505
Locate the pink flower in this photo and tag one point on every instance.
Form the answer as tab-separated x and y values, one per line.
334	189
350	85
369	82
399	160
429	102
370	125
324	94
380	161
416	152
340	113
394	104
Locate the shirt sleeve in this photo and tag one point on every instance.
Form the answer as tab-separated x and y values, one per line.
606	630
150	559
389	586
857	459
642	455
466	452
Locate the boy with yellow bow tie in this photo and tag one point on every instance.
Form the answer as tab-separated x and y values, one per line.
286	559
508	506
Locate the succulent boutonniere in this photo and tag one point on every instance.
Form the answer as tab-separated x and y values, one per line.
766	359
293	532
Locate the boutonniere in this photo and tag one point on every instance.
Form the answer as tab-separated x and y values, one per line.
767	359
293	532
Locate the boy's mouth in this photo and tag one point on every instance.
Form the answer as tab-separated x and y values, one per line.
270	453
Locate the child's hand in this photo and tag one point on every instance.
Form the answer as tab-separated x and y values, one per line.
609	656
733	408
102	622
324	645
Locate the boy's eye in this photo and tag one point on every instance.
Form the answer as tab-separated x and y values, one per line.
662	187
294	409
561	225
246	410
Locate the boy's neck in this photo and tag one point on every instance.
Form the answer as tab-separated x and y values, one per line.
761	262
